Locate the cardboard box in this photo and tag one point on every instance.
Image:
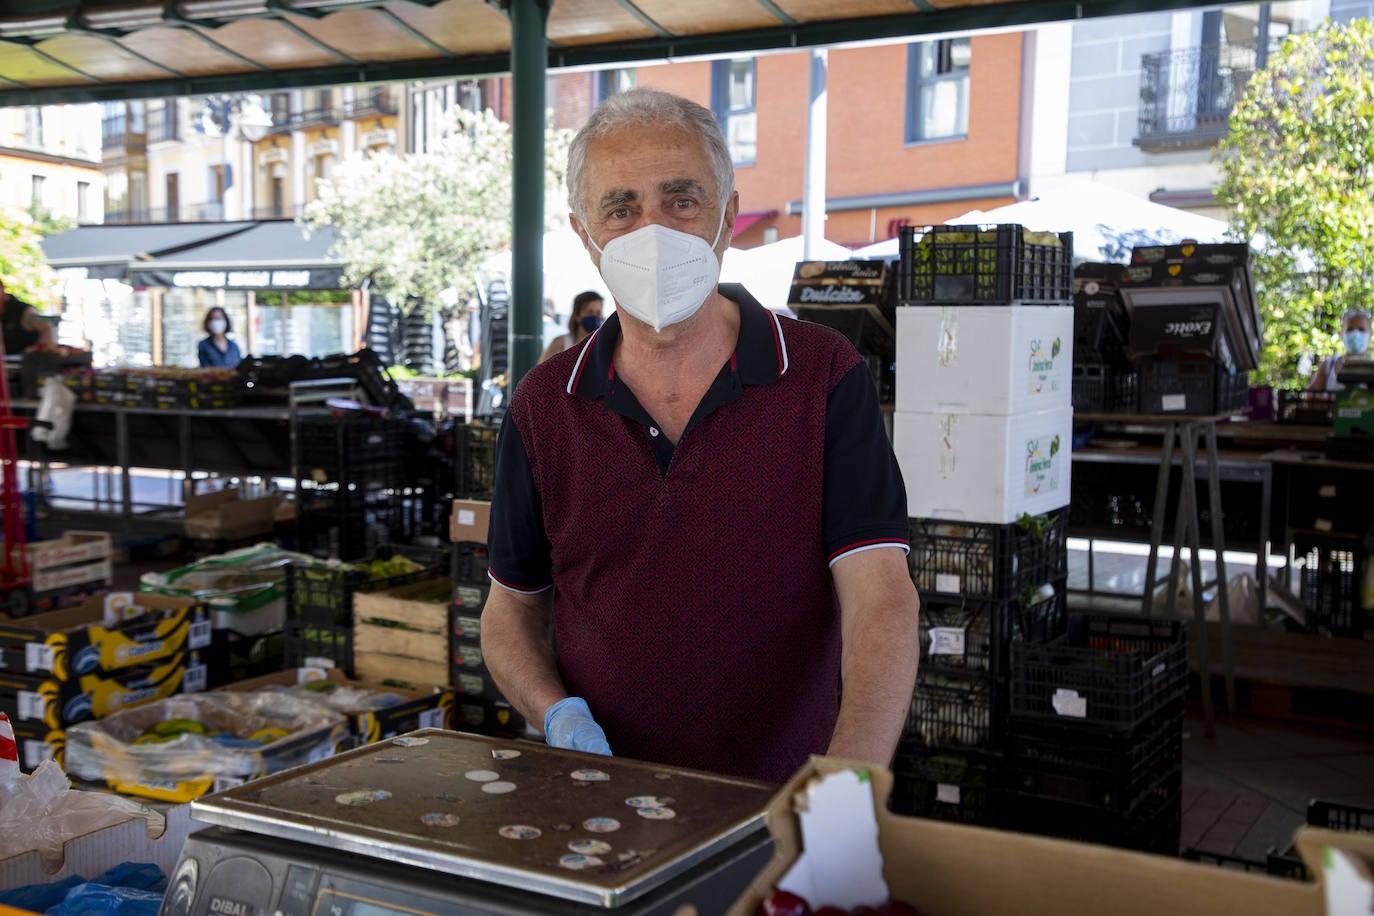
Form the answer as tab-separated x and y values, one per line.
1353	413
488	717
980	468
75	641
37	743
470	520
984	359
945	869
422	706
466	655
222	515
59	703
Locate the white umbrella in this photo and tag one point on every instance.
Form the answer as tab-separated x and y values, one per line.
1106	223
567	271
766	271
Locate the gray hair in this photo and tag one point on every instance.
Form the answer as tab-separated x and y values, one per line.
643	107
1355	312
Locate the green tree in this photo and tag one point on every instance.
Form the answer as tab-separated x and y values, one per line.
22	265
1298	176
418	225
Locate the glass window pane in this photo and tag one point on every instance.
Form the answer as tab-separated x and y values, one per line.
960	52
925	55
741	85
944	109
742	136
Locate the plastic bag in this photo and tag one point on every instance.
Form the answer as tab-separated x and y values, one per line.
39	898
1183	597
41	812
53	420
1242	601
94	899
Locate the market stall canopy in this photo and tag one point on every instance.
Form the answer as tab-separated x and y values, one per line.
105	252
85	50
251	259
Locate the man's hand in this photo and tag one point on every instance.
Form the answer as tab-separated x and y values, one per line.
569	724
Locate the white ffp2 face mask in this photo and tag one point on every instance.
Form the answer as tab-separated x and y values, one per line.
659	275
217	325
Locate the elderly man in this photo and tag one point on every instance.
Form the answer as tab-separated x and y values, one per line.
698	502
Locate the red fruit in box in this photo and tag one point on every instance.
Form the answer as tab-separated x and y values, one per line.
785	903
897	908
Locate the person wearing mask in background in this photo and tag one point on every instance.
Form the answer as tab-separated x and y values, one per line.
698	528
1355	337
23	326
216	349
585	319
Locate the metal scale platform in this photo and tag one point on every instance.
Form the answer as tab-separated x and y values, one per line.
438	822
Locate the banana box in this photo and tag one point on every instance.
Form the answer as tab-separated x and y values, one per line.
59	703
108	632
183	747
37	743
374	710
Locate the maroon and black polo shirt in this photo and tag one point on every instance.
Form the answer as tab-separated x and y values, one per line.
693	604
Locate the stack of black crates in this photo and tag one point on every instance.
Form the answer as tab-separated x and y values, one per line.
351	484
480	706
1104	378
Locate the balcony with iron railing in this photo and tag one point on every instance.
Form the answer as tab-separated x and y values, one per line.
375	103
163	124
119	132
1186	95
300	120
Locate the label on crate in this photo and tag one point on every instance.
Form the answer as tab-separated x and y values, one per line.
39	656
947	794
1043	354
36	752
1043	458
1174	402
467	517
200	635
1069	704
432	718
195	679
948	582
31	705
947	641
1159	669
1323	525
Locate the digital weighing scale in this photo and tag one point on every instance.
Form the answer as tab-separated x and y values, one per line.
438	822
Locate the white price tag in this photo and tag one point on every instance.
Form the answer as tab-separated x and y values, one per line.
1069	704
39	656
321	751
31	705
947	582
195	679
432	718
1174	402
947	641
1328	491
1159	669
226	782
947	794
200	635
35	752
467	517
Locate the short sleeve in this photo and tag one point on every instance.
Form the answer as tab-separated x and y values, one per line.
518	548
865	499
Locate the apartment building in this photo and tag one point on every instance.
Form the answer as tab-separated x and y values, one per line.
50	160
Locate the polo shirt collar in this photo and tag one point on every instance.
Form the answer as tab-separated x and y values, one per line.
760	355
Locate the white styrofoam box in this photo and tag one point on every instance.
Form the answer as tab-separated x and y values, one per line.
984	468
985	359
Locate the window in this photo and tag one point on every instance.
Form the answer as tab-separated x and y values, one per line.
173	197
36	201
34	135
83	201
609	82
732	102
937	90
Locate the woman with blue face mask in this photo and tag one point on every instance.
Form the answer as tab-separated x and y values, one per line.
585	319
216	349
1355	337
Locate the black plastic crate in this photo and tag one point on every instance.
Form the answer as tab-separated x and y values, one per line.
1235	863
475	458
1100	326
1107	770
323	595
988	561
1100	388
309	644
1196	387
1332	585
975	635
232	657
335	445
1332	815
948	786
1114	671
984	265
1307	408
495	718
470	563
951	712
1154	825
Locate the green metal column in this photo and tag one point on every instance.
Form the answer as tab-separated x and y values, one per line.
529	56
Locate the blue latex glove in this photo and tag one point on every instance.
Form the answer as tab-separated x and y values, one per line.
569	724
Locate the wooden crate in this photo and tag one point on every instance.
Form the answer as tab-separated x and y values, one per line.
76	558
403	633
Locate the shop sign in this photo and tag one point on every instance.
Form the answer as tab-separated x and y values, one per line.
838	283
241	279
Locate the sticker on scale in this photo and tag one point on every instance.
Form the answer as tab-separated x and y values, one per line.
410	742
482	775
362	797
498	788
520	832
656	814
590	775
577	862
1069	704
503	753
590	847
39	656
947	641
601	825
439	819
648	801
